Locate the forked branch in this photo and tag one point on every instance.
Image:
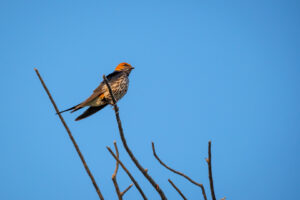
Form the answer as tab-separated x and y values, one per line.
128	173
71	137
138	165
114	176
122	193
179	173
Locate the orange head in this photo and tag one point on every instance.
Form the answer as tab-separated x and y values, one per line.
124	67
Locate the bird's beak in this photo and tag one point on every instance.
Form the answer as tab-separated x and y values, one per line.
132	67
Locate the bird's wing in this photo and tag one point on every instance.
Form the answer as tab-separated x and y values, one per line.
109	77
99	90
90	111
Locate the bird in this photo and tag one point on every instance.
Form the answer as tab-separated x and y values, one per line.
101	97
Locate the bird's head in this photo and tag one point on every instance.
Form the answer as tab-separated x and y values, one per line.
125	67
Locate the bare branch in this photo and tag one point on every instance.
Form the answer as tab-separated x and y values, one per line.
211	182
128	173
176	188
117	164
179	173
114	176
71	137
127	189
148	177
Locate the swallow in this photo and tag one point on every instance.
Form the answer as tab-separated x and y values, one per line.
119	82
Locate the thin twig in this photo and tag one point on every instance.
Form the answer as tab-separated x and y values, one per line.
211	181
122	193
177	189
114	176
148	177
71	136
128	173
179	173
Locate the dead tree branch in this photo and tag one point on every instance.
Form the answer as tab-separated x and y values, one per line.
122	193
71	137
128	173
179	173
148	177
211	182
177	189
114	176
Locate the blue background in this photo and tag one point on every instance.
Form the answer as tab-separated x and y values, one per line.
226	71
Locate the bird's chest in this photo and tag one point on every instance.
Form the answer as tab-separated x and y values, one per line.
119	87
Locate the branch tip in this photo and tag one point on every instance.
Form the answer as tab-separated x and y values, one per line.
211	182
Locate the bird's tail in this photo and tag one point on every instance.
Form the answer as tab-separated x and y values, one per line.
74	108
90	111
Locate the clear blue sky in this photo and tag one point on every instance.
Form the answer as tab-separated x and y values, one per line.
226	71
